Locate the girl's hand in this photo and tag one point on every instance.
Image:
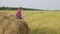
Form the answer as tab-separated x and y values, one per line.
23	16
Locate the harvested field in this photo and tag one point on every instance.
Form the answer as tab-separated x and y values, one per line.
47	22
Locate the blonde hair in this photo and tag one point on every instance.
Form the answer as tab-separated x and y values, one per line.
20	7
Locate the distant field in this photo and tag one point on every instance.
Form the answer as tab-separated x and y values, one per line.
47	22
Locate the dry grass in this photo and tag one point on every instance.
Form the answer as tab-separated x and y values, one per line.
9	24
47	22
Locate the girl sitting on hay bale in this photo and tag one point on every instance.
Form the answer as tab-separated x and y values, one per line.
19	13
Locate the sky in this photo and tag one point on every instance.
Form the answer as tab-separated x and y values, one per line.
36	4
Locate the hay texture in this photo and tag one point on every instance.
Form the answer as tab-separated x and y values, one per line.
9	24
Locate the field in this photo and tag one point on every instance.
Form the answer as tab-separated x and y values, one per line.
47	22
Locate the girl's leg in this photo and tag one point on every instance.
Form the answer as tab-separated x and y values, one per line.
20	17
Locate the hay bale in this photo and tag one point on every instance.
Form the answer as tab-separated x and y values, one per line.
9	24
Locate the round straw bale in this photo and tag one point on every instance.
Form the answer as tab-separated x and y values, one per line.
9	24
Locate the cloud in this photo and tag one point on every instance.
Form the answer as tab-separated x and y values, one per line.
39	4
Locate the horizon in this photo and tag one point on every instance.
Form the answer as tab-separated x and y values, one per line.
35	4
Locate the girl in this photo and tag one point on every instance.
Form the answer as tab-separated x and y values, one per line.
19	13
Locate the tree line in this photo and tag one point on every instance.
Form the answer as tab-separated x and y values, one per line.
15	8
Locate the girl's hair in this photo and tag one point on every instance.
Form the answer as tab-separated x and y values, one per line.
20	8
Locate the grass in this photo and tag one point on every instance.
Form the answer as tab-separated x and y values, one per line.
47	22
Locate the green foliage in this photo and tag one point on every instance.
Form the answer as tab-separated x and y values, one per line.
15	8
